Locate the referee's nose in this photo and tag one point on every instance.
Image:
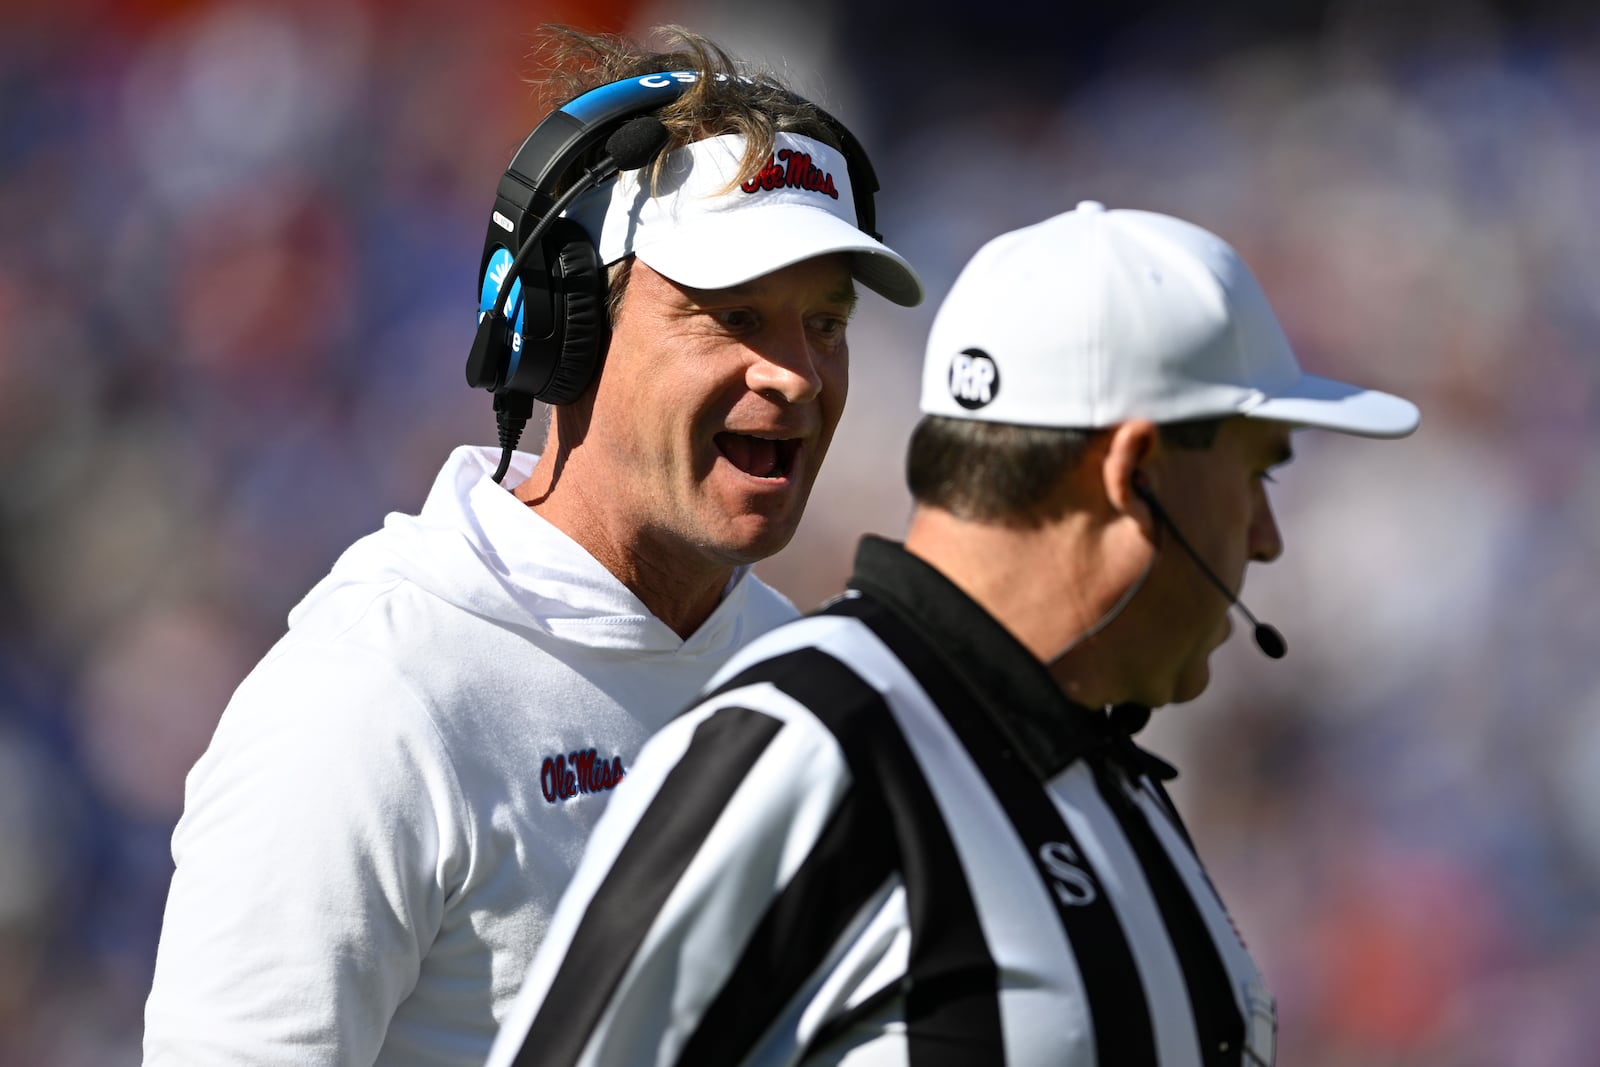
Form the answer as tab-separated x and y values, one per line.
1266	540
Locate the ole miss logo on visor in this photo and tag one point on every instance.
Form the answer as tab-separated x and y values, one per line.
788	169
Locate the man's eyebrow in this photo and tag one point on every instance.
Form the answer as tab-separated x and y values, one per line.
1284	453
846	294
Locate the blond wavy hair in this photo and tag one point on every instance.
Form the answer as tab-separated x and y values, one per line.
729	97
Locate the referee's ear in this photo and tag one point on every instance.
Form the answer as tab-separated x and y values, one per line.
1131	448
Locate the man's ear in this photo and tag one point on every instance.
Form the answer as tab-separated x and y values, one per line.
1131	448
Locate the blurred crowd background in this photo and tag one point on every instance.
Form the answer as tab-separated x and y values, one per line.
238	248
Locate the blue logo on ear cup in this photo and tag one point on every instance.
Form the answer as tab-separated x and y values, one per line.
494	277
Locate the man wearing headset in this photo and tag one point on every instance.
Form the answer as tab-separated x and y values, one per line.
394	798
913	828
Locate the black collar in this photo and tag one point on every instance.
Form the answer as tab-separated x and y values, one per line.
1013	687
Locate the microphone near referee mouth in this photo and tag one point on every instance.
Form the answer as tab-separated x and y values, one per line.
1267	637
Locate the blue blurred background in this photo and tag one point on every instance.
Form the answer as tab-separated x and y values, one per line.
238	246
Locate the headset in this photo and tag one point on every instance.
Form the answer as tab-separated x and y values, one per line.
543	327
1267	637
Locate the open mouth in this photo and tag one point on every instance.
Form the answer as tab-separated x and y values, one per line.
759	457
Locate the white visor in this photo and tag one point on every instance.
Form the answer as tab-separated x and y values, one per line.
706	229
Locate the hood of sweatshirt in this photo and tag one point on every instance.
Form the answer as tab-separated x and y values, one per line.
477	547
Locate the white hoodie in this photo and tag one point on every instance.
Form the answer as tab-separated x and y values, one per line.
394	799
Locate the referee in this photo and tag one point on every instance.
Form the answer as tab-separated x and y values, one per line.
913	828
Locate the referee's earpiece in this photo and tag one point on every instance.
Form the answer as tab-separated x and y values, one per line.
1267	638
1141	489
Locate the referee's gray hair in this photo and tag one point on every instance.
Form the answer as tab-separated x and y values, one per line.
1011	475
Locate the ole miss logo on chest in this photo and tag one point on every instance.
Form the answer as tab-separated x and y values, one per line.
575	774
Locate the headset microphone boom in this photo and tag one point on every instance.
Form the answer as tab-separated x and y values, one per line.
1267	637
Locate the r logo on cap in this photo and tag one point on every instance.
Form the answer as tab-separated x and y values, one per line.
974	379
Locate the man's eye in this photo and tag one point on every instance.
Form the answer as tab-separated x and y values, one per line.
829	326
735	318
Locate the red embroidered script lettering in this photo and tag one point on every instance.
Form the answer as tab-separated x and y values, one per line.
577	773
793	170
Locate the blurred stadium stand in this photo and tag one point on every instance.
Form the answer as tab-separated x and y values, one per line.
238	246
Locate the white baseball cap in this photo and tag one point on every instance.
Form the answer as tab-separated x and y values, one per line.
1094	317
705	228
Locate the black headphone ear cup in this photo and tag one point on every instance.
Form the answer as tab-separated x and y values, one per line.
578	281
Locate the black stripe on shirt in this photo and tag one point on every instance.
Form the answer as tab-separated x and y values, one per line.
1219	1025
692	798
952	1008
1118	1008
845	869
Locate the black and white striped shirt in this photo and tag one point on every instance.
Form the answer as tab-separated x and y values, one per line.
888	838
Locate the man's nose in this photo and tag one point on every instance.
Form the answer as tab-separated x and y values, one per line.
785	363
1266	540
